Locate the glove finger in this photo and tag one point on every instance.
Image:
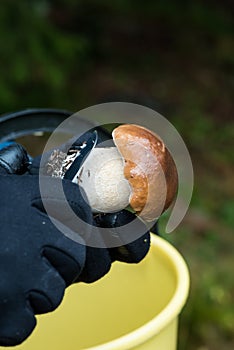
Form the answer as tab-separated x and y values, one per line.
93	262
97	263
65	250
132	252
17	321
62	201
13	159
130	249
69	264
49	291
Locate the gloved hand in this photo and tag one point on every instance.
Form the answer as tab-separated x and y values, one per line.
37	261
132	252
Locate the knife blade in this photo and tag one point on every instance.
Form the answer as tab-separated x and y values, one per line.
82	152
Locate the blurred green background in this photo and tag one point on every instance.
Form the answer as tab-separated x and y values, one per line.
176	57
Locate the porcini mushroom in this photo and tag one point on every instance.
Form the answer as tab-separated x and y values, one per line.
139	172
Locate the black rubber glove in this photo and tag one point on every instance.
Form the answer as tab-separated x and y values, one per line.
37	261
98	260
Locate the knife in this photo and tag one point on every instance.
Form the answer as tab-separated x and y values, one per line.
82	152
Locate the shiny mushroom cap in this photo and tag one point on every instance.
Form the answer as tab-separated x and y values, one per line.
149	169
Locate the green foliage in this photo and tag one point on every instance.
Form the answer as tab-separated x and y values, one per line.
38	59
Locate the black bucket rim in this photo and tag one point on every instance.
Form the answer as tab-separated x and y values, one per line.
16	124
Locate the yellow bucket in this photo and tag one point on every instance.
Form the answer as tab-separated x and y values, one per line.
132	307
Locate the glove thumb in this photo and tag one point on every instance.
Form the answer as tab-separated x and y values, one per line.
13	159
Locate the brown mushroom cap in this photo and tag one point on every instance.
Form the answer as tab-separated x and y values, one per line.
149	168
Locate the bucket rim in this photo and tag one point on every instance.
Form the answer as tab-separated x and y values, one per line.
168	314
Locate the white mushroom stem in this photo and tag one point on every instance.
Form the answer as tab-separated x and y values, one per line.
102	178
